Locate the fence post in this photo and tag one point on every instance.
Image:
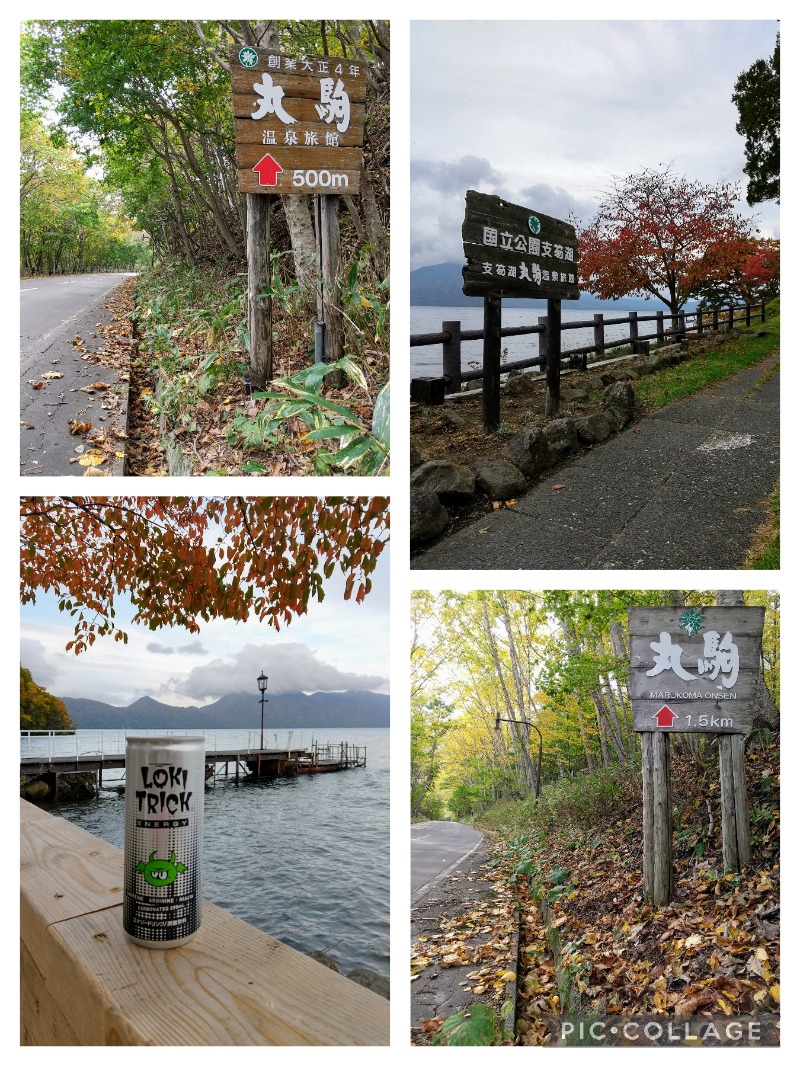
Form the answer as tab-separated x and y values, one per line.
599	334
747	314
730	318
699	317
681	325
715	320
763	310
659	327
491	363
633	329
553	394
451	357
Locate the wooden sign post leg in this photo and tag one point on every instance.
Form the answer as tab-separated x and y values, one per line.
657	819
329	298
733	799
553	396
491	363
259	307
647	816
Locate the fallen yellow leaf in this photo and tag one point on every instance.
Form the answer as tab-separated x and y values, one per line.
92	459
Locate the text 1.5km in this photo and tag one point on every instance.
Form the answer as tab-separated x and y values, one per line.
319	178
710	721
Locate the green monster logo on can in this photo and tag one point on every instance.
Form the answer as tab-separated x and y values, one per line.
160	871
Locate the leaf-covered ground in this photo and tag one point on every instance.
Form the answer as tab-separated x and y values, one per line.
714	950
599	950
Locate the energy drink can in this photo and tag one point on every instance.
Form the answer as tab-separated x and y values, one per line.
164	791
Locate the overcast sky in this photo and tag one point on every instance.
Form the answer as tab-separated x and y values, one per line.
338	645
545	113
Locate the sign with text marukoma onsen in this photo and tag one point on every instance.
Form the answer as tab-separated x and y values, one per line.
299	123
517	252
694	669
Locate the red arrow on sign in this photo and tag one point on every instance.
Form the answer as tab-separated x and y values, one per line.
267	170
665	717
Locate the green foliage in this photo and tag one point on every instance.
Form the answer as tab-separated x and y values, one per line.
358	448
676	382
430	722
477	1027
757	95
37	708
69	223
576	801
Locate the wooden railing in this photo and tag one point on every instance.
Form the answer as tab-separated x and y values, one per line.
451	337
83	982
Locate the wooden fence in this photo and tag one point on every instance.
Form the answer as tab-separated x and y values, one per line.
83	982
451	337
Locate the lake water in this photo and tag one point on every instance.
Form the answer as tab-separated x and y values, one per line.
305	859
427	361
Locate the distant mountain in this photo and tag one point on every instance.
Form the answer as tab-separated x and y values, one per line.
440	286
241	710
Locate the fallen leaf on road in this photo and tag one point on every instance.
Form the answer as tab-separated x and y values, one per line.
51	374
79	427
37	384
92	459
554	487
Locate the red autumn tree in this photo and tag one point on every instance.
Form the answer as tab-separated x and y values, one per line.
657	234
180	559
755	274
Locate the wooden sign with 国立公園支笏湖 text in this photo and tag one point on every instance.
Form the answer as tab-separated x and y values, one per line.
694	669
299	123
517	252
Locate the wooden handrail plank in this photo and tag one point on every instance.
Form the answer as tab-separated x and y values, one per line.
230	985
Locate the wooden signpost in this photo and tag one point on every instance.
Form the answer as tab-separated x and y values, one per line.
693	670
518	252
299	126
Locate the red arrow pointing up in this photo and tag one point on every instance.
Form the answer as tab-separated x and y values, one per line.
267	170
665	717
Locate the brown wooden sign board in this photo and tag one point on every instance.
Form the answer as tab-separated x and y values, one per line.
299	123
694	670
517	252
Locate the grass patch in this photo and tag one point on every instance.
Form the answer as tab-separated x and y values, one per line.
766	551
676	382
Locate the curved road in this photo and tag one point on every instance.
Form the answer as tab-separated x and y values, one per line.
436	849
53	312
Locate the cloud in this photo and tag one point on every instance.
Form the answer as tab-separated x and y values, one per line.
556	202
193	648
468	172
291	667
34	656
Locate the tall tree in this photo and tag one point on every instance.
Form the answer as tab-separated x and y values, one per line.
757	95
38	709
181	559
662	235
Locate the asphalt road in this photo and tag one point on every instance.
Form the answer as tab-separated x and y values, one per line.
437	847
53	311
683	489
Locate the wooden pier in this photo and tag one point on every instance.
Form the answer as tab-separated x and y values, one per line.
240	764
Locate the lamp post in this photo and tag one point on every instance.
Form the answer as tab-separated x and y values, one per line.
528	725
262	688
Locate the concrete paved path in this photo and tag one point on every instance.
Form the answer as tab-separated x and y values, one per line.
683	489
54	312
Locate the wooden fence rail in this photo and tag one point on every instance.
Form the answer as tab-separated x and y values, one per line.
83	982
452	336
